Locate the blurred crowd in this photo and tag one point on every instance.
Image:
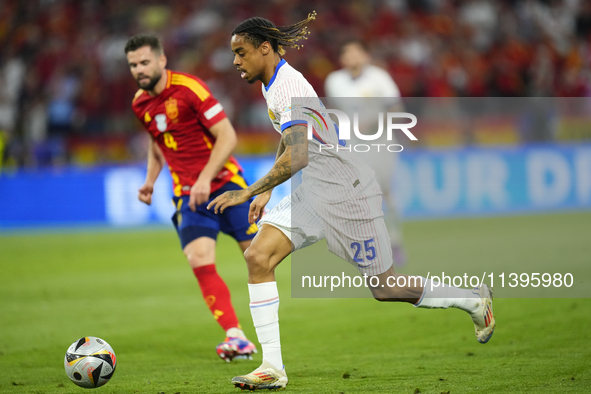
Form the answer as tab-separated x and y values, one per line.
65	86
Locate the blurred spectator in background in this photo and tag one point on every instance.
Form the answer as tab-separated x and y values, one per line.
12	70
481	19
71	52
365	89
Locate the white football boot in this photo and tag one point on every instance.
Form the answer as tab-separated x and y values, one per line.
264	377
483	318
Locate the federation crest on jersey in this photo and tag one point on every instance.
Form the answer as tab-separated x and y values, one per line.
273	117
172	110
161	123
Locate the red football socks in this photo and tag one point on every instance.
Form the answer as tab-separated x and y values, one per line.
217	296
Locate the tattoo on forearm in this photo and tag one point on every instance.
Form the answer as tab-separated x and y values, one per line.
292	148
280	150
280	172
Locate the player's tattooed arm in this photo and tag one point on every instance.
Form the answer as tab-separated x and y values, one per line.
280	150
292	159
292	156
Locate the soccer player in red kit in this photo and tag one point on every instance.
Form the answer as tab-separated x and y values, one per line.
191	133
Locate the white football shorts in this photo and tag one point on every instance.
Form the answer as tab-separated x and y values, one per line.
354	229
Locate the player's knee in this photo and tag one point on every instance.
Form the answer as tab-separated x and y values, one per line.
253	256
256	259
199	259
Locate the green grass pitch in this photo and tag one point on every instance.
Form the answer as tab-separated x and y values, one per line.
135	290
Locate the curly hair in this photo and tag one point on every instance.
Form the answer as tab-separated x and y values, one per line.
258	30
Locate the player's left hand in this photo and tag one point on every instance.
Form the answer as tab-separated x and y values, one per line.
257	207
199	193
228	199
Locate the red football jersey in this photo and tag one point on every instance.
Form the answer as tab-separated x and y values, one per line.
179	119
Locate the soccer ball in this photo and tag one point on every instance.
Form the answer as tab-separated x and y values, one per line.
90	362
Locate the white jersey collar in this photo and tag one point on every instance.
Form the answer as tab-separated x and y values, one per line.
281	63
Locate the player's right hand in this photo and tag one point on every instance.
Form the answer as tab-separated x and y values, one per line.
257	206
145	193
199	193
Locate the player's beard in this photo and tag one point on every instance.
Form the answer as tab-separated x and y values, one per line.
254	79
153	81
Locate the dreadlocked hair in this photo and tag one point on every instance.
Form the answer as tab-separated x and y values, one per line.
258	30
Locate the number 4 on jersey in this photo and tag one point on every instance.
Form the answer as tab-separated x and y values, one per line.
169	141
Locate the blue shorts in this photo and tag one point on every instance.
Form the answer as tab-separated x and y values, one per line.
204	223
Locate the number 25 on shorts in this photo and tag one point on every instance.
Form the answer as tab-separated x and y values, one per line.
365	255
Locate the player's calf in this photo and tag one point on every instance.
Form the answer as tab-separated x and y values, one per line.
394	287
